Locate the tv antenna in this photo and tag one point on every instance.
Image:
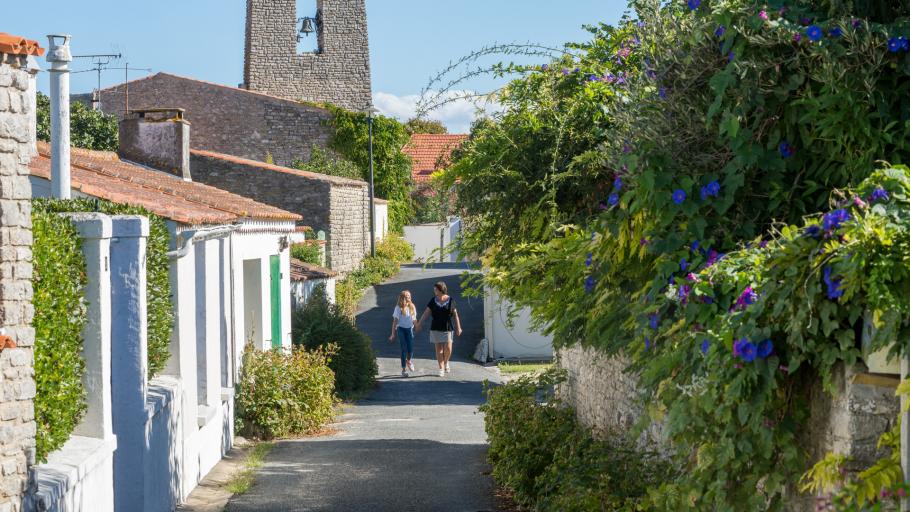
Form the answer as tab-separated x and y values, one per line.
99	63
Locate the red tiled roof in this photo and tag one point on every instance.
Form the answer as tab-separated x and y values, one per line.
103	175
301	271
430	152
256	165
18	45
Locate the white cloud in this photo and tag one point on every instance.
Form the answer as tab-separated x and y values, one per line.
457	115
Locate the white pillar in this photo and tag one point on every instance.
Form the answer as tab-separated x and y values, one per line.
129	358
59	56
95	231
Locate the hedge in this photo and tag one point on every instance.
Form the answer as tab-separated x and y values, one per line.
160	309
58	281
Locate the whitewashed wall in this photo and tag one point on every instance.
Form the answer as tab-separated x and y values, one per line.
431	241
381	219
302	290
515	339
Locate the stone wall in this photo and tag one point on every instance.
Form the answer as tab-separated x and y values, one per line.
227	119
17	383
338	73
848	422
338	206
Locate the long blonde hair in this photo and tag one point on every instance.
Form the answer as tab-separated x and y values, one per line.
405	303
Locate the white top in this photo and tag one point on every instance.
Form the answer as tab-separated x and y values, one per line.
405	319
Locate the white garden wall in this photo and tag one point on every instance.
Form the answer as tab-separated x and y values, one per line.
512	338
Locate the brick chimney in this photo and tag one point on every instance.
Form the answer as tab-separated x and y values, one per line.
158	138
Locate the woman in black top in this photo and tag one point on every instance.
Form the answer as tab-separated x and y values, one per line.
445	322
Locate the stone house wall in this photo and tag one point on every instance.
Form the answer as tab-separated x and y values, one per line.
338	73
227	119
848	422
338	206
17	382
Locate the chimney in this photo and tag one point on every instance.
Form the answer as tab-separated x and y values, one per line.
60	57
158	138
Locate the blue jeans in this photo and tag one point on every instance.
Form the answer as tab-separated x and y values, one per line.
406	340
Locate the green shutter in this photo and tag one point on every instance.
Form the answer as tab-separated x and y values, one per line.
275	267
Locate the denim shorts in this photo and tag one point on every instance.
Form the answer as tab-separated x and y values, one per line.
440	336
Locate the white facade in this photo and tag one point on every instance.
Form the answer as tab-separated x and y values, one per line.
512	338
381	219
434	242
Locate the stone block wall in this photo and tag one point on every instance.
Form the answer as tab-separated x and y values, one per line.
338	206
339	73
227	119
17	382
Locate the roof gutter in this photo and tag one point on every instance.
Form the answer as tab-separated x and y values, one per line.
186	238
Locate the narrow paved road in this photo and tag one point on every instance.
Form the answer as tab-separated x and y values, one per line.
414	444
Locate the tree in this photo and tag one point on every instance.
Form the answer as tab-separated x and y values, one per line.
421	125
89	129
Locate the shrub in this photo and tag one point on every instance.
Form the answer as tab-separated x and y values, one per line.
319	324
347	297
324	162
58	281
89	129
541	453
308	252
395	248
285	394
421	125
157	265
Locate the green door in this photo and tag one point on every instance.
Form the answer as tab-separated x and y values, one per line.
275	271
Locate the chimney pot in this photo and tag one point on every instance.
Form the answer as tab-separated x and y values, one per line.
59	56
158	138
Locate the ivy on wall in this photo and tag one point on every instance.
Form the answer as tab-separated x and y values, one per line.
160	308
58	283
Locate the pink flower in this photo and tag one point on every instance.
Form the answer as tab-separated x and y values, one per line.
763	15
859	202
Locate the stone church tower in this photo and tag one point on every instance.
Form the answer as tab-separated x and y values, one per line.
338	72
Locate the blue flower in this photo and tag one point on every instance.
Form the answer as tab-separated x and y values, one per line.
747	351
814	33
544	67
613	199
589	284
833	220
786	150
835	32
894	44
695	246
647	343
765	348
565	72
589	260
720	31
683	265
693	4
679	196
684	292
713	188
731	56
705	346
813	231
905	44
652	321
834	290
662	92
617	183
879	194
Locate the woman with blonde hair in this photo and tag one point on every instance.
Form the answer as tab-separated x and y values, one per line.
403	325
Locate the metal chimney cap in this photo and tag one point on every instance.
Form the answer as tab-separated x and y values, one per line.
59	48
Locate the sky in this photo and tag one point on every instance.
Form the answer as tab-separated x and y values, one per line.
410	40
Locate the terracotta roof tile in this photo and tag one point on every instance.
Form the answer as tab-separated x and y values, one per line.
102	174
301	271
256	165
18	45
431	152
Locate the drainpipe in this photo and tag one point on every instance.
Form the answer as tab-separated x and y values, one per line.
59	56
189	237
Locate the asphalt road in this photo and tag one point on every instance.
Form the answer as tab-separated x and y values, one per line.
413	444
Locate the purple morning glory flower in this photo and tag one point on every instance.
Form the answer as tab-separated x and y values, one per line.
747	351
833	220
835	32
814	33
617	183
684	292
746	299
834	291
720	31
589	284
705	346
544	67
565	72
856	23
679	196
905	43
894	45
737	345
765	348
695	246
589	260
713	257
797	37
643	242
713	188
731	56
640	24
671	280
693	4
704	193
707	300
879	194
785	149
652	321
813	231
613	199
662	92
647	343
683	264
